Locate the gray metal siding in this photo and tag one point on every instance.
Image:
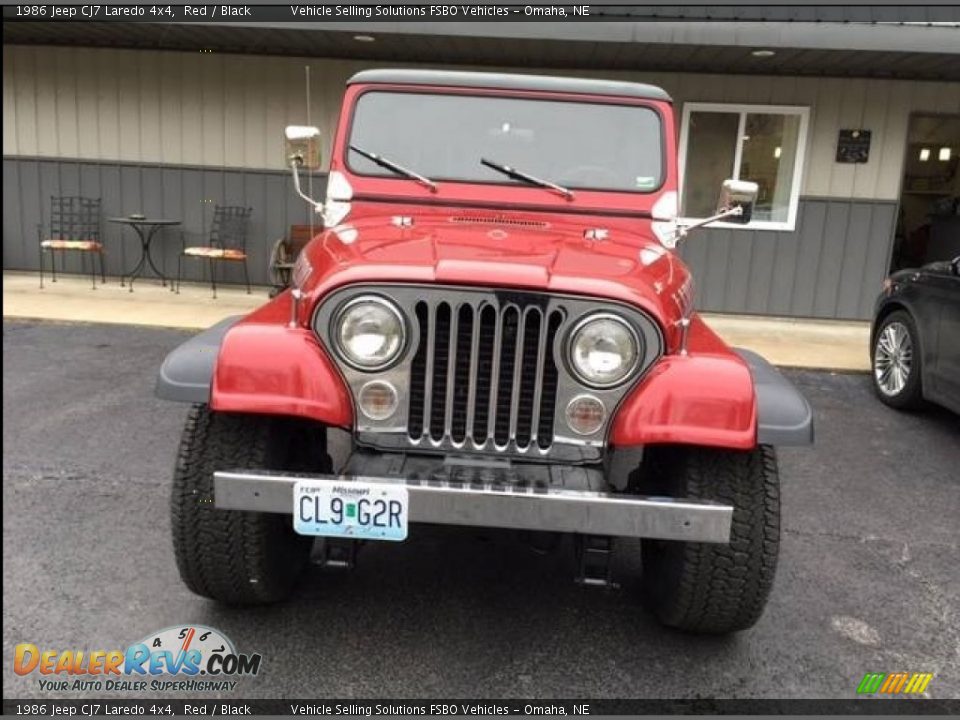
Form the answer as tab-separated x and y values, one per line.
832	266
184	193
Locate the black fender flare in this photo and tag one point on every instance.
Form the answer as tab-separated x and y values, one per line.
784	416
187	372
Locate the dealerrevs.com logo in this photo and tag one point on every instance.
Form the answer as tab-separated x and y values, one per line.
184	657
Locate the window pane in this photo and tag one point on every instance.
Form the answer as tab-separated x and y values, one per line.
768	159
594	146
711	148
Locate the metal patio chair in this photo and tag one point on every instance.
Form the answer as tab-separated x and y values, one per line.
227	241
74	227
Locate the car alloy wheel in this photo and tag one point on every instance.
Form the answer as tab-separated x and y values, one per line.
893	359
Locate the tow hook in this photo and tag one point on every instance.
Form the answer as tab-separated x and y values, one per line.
334	553
594	560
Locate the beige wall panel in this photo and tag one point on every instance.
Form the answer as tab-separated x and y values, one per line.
891	146
129	87
171	108
275	96
229	110
212	94
254	111
866	176
804	93
88	112
852	94
823	123
151	138
9	100
191	103
233	114
65	60
48	137
108	101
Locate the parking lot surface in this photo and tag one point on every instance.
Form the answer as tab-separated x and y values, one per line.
869	577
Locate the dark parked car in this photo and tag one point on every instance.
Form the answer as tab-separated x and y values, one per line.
915	340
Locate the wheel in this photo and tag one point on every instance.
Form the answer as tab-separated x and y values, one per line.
896	362
236	557
714	587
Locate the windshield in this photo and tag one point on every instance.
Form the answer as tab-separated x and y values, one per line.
579	145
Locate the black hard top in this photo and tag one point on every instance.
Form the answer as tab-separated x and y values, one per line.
507	81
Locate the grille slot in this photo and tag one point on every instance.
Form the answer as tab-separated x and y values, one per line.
484	374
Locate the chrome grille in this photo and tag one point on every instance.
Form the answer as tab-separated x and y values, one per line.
484	375
483	371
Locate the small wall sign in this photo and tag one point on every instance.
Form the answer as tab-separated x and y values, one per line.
853	146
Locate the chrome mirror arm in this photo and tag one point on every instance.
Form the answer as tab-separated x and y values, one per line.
736	210
683	230
295	163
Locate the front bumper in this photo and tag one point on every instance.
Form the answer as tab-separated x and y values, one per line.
526	497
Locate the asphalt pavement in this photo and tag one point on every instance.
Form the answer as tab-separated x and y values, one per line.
868	581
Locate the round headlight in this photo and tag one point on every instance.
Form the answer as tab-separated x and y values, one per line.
369	333
604	350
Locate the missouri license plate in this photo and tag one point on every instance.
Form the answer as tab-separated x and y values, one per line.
352	510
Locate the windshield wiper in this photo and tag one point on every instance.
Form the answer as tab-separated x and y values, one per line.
398	169
531	179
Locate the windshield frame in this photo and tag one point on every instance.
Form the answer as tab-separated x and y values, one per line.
442	182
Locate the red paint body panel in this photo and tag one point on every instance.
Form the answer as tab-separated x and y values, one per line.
267	367
703	398
537	242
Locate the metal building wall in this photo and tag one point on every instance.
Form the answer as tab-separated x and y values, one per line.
203	116
187	193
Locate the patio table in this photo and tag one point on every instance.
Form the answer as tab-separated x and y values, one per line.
145	228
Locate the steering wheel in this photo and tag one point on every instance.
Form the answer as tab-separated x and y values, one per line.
596	176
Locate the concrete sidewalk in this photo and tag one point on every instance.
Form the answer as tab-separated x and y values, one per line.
71	299
817	344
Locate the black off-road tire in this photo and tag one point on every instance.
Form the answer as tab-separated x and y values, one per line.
711	587
910	396
235	557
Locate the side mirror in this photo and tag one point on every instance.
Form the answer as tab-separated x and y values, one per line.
737	194
303	146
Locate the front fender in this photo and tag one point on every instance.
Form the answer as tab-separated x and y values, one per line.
704	399
713	396
278	370
258	364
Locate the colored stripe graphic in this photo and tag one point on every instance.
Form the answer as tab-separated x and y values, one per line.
870	683
898	683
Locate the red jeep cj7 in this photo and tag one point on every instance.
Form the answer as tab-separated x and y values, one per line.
496	314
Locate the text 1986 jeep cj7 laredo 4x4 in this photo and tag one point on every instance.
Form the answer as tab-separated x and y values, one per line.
495	312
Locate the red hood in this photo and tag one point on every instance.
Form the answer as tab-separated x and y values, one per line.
456	249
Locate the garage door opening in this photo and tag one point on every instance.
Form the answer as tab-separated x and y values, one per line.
928	224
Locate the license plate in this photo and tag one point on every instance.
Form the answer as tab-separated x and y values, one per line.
352	510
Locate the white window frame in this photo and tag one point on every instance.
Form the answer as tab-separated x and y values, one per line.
743	110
